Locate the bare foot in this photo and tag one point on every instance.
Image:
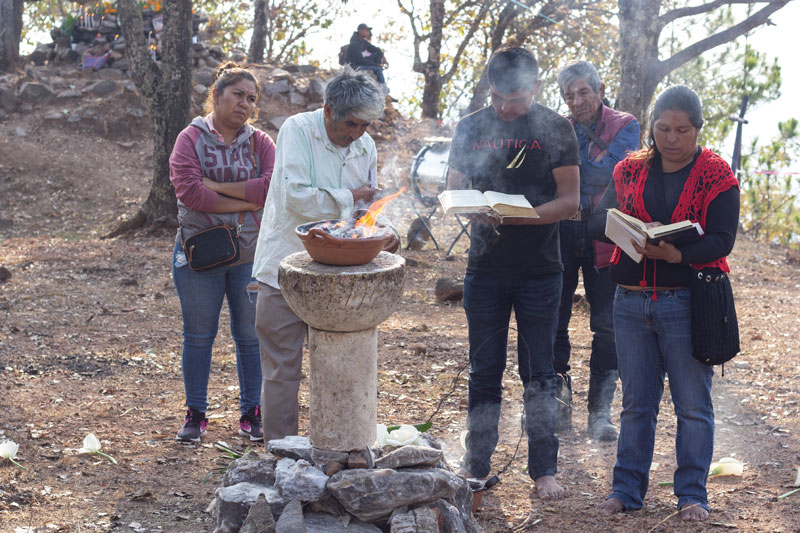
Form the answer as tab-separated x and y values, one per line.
548	489
693	512
611	506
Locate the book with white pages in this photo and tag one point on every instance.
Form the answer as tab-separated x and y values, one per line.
472	201
622	228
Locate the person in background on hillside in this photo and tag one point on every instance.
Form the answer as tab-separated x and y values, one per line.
605	137
671	180
363	55
515	146
325	166
221	167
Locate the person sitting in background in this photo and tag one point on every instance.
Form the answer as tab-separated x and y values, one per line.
221	167
673	179
325	165
605	136
363	55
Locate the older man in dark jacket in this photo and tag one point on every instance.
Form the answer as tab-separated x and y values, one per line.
604	138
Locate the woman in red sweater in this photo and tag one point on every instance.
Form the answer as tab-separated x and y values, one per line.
673	179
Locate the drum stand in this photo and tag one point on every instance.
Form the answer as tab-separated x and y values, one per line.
434	169
424	220
463	231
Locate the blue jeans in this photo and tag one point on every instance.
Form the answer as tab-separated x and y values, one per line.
577	253
376	69
201	295
654	338
488	301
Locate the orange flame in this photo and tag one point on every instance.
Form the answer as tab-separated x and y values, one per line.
371	217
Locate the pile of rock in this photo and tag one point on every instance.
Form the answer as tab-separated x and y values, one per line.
90	36
299	488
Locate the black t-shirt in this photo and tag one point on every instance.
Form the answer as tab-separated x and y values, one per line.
515	157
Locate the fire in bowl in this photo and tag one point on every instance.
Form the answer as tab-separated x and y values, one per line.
335	242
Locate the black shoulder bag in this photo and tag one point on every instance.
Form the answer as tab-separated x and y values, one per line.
213	247
715	330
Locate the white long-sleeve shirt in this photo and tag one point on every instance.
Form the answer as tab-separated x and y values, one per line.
311	181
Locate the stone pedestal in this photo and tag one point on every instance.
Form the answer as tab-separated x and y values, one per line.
343	306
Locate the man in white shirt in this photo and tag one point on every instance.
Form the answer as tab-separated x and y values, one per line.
325	165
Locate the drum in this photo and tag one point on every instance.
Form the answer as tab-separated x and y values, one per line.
429	170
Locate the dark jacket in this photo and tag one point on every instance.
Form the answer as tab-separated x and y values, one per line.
356	55
620	131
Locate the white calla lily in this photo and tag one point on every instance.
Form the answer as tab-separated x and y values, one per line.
727	466
797	479
380	440
91	444
8	450
405	435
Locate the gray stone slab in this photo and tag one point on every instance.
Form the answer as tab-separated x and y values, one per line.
407	456
325	523
259	519
293	447
291	520
370	495
252	468
300	480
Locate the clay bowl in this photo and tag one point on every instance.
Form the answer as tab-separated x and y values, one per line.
331	250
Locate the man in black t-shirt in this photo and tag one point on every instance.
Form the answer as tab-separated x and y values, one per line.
515	146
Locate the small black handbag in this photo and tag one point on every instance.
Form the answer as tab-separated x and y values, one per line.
213	247
715	330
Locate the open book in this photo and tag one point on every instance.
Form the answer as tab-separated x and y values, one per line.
622	228
471	201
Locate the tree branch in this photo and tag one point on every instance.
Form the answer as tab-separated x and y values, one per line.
687	54
690	11
465	41
417	66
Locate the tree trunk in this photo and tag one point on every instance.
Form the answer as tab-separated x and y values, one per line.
168	95
430	69
259	40
639	31
10	33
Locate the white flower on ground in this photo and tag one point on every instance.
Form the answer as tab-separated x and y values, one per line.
797	479
91	444
727	466
380	440
405	435
8	450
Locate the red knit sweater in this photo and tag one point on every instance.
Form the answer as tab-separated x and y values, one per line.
710	176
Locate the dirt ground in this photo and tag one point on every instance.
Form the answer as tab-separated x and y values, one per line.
90	342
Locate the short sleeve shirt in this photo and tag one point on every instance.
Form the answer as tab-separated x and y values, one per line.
514	157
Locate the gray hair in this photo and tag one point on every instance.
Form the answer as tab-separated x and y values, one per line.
354	93
577	70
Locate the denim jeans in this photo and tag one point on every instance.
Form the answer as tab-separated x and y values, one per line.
488	301
577	253
201	295
653	339
376	69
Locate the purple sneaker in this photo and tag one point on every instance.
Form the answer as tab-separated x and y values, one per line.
250	424
194	426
